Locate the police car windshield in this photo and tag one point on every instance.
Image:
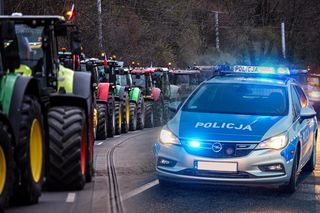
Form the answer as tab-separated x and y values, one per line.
246	99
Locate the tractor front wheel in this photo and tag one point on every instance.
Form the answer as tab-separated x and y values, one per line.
6	166
102	128
133	117
111	118
158	111
140	113
149	114
30	153
68	147
118	117
125	115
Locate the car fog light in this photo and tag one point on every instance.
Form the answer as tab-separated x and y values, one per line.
272	168
166	162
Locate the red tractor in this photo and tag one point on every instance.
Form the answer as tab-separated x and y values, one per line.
153	97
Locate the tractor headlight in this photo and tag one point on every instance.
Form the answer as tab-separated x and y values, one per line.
167	137
276	142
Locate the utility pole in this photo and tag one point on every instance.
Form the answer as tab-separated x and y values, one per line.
100	36
1	7
216	27
283	40
216	13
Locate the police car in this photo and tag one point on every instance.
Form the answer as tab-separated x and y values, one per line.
248	126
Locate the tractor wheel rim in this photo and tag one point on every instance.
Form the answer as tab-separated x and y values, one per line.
127	112
120	117
3	170
36	150
83	151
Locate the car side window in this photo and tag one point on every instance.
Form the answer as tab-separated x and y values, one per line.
302	97
296	102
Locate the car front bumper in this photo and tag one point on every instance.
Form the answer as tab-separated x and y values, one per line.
249	167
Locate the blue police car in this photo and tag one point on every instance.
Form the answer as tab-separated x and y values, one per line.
247	126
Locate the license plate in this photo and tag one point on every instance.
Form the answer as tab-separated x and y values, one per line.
217	166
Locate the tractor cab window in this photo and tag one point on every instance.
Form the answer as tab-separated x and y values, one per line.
139	80
30	46
121	80
182	79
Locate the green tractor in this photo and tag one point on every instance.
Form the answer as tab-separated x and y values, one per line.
108	82
49	107
105	98
161	79
136	117
153	97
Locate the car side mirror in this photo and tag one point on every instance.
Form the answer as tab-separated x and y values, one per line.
307	113
175	106
75	42
9	42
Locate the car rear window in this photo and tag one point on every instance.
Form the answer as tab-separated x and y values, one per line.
247	99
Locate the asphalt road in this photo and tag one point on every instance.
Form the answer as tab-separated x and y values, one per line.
125	182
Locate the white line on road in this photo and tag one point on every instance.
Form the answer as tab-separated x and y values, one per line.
98	144
71	197
140	189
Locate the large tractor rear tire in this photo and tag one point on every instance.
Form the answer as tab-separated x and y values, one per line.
30	153
140	113
102	128
89	157
6	166
149	114
68	148
133	116
125	115
118	116
111	118
158	111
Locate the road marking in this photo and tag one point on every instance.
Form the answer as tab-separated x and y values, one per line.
140	189
98	144
71	197
116	136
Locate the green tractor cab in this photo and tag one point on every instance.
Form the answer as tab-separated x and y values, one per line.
50	109
105	99
136	117
153	97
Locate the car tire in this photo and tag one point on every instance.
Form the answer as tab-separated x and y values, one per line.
311	164
292	185
165	183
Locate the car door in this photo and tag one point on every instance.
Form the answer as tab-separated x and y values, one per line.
310	122
302	126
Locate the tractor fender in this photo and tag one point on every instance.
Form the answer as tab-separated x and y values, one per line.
82	85
5	120
134	94
103	91
24	85
155	93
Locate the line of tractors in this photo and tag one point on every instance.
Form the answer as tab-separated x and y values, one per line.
54	104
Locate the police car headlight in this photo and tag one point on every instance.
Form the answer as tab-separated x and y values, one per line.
167	137
277	142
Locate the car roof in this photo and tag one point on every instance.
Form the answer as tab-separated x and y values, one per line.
251	79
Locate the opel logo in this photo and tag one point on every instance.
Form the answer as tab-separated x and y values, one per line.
216	147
